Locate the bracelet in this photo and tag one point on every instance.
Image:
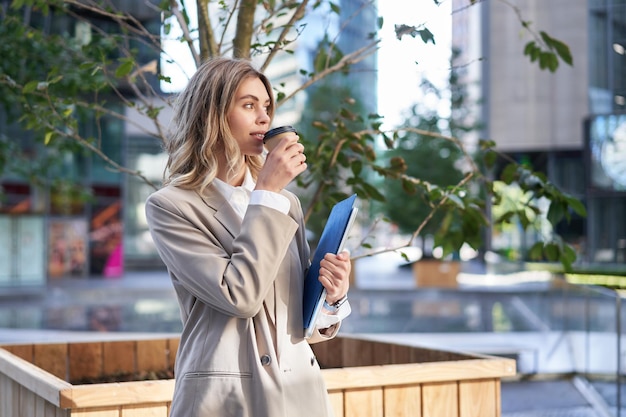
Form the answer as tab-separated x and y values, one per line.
334	307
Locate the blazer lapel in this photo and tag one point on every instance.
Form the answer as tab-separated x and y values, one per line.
225	214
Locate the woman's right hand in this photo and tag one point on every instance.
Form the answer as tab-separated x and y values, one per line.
284	163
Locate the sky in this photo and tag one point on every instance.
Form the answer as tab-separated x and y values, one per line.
398	74
402	64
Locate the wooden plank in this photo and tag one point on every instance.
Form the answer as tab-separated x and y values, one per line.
96	412
152	355
151	410
357	352
85	361
51	410
440	399
400	354
32	377
336	402
10	396
423	355
382	354
498	398
329	354
172	350
45	409
364	402
403	401
118	394
478	398
119	357
22	351
351	352
26	402
52	358
410	374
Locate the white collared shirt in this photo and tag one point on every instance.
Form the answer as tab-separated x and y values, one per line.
239	197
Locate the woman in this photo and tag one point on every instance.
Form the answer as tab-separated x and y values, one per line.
233	240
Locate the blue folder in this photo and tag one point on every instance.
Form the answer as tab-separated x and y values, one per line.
332	240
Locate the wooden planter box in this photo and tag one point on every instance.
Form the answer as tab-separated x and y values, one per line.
436	273
364	378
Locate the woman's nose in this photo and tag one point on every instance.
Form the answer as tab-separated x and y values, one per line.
263	118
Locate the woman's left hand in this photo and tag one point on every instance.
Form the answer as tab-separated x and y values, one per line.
335	275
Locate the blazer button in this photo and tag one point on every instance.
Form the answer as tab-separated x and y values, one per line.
312	360
266	360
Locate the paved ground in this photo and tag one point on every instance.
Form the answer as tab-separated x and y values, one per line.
143	303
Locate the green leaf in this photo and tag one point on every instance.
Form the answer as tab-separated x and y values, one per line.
556	212
409	187
553	62
319	63
506	217
125	67
561	48
486	144
509	174
456	200
490	158
30	87
379	22
551	251
529	48
568	256
545	37
535	54
426	35
543	59
523	218
373	192
388	142
535	253
564	52
48	137
68	111
576	205
55	79
16	4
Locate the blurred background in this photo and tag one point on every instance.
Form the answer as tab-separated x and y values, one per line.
76	255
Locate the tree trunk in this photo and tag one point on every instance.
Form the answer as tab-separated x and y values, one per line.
245	24
208	46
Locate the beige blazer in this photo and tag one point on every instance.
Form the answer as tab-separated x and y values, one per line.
239	286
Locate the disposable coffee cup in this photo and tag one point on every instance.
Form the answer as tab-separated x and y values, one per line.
273	136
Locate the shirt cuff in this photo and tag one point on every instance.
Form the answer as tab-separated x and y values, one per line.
325	319
270	199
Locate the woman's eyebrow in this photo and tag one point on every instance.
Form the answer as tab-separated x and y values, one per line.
251	97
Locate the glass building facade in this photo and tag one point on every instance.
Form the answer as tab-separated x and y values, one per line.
74	222
605	133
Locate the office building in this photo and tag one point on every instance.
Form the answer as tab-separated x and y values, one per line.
558	122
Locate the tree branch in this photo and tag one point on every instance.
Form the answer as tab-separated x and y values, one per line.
423	224
185	28
350	59
297	15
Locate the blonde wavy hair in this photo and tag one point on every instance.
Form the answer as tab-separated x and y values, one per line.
200	130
